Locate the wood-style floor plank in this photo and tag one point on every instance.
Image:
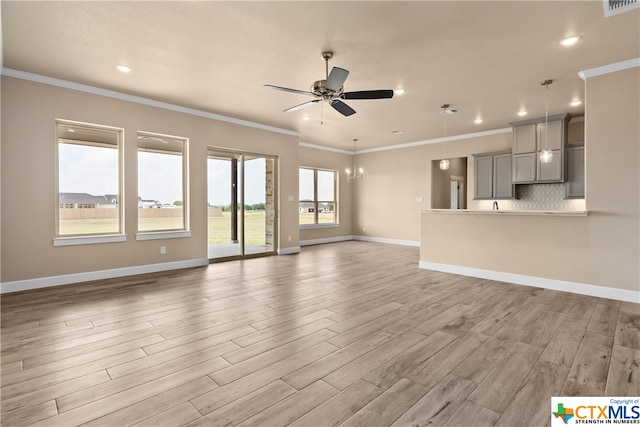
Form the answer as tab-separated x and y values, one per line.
472	414
531	401
504	380
389	406
293	407
624	372
437	406
331	336
591	365
628	326
340	407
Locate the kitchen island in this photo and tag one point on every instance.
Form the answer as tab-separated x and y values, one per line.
548	249
507	212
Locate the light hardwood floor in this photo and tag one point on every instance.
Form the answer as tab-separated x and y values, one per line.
348	334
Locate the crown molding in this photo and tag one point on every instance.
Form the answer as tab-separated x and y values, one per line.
38	78
321	147
437	140
609	68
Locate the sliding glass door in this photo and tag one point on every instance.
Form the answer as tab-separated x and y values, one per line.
241	204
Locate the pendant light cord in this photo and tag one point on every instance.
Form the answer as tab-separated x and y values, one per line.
444	129
546	117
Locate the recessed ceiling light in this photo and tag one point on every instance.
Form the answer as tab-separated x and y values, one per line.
306	118
522	113
477	121
123	68
396	132
575	103
449	110
399	91
570	41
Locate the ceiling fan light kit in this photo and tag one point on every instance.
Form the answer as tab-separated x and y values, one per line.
331	90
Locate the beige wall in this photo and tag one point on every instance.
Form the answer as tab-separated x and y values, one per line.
314	158
386	201
601	249
28	200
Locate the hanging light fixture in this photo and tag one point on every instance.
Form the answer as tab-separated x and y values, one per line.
444	163
358	173
546	155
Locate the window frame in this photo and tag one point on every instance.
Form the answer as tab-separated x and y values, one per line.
185	230
316	202
89	238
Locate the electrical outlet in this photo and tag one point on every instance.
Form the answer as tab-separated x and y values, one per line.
163	249
289	237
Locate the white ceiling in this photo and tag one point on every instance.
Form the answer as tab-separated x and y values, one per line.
485	58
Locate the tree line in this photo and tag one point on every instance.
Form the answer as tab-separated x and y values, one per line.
253	207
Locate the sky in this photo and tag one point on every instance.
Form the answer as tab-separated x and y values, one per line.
325	185
94	170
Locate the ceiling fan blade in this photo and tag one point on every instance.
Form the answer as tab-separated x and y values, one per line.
286	89
336	78
368	94
342	108
299	106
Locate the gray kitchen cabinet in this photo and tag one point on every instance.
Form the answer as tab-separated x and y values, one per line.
552	171
529	138
502	183
574	186
483	177
524	139
524	168
492	175
556	140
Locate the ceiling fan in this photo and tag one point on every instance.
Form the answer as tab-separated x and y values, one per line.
332	91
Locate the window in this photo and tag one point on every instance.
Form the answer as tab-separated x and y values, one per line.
317	196
89	171
162	183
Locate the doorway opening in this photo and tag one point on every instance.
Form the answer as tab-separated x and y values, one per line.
449	187
241	204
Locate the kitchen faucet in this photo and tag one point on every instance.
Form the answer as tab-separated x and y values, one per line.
495	205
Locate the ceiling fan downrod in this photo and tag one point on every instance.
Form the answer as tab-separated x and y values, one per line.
327	56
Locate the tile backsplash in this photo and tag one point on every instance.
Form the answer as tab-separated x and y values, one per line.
532	197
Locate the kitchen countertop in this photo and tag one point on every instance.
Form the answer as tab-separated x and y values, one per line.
507	212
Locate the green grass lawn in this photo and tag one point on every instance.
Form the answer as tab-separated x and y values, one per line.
219	227
254	224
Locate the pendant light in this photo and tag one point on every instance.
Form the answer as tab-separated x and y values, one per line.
357	173
444	163
546	155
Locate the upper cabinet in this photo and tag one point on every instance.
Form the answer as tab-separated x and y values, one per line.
524	139
492	173
530	137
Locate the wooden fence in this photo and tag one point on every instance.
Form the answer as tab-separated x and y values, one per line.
107	213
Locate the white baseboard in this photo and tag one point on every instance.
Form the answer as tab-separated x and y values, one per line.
539	282
325	240
67	279
289	251
360	238
387	241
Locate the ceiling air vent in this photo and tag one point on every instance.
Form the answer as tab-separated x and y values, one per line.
614	7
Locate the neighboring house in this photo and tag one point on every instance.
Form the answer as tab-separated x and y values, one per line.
87	201
148	203
307	206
